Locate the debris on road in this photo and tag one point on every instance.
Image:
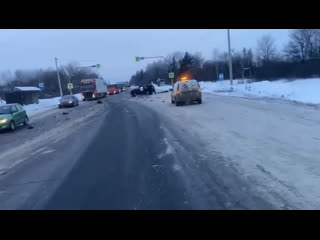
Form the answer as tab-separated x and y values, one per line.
64	113
99	102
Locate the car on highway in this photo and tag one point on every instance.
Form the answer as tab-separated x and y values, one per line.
143	89
186	91
12	115
112	89
68	101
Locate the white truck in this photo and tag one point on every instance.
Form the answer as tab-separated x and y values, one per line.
93	88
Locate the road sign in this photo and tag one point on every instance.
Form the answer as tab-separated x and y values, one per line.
70	86
98	66
171	75
137	59
41	85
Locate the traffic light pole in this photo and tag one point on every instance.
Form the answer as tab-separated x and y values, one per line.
170	69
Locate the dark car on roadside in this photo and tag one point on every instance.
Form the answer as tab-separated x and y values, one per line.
143	90
68	101
12	115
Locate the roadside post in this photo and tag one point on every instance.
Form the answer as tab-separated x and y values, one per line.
41	85
221	77
171	76
70	87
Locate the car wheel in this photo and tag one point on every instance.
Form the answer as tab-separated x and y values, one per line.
12	126
59	106
26	120
199	101
172	101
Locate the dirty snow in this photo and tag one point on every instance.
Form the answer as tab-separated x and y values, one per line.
274	145
169	149
300	90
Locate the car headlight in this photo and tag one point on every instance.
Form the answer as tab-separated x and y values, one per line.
114	91
3	121
70	102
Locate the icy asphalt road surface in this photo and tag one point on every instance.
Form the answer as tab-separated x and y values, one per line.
139	155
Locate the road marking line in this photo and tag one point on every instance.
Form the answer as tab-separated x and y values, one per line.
39	150
48	151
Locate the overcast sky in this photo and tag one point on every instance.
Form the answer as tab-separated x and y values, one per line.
115	49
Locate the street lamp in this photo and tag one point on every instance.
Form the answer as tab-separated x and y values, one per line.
230	59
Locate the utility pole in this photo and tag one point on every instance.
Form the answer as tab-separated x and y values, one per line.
230	59
56	59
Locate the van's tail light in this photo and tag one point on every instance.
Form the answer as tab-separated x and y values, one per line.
199	89
178	91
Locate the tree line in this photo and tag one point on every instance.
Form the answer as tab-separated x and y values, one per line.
49	78
300	58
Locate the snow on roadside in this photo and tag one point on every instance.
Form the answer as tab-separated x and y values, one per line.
300	90
162	88
44	105
273	146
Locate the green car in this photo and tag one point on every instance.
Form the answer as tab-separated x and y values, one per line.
12	115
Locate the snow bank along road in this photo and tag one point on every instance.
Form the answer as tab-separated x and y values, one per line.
227	153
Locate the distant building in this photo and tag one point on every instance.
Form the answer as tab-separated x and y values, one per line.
22	95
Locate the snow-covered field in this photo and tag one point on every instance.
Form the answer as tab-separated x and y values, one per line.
300	90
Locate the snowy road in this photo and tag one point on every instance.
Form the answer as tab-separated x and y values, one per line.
272	144
227	153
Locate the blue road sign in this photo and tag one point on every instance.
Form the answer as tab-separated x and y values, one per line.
41	85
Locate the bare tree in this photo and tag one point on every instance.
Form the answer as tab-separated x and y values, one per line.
266	50
303	44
